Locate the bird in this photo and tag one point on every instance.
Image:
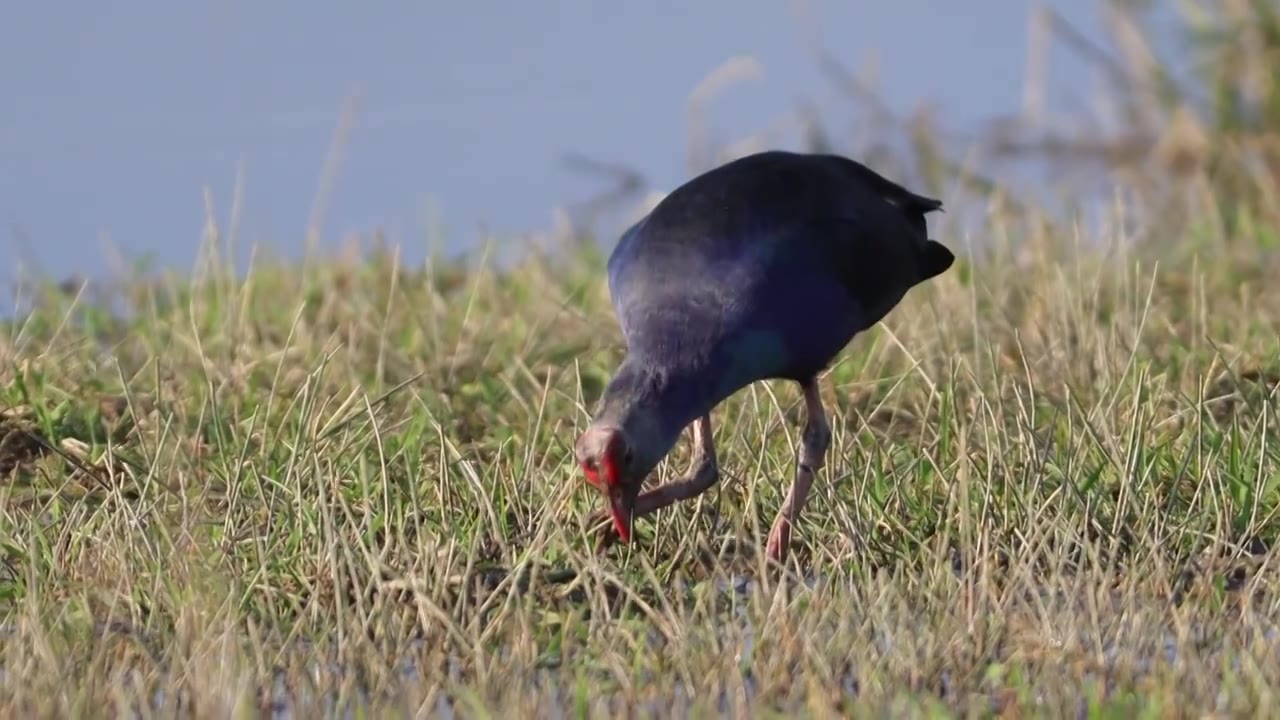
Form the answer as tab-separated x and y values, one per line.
762	268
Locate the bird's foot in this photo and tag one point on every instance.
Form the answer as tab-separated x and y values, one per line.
600	524
779	541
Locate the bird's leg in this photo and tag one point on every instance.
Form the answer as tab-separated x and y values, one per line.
815	440
703	473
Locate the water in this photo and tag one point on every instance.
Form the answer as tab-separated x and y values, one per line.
118	117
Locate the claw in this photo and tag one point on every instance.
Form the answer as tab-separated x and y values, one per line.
601	525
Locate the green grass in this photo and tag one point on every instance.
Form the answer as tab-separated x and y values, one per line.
1053	484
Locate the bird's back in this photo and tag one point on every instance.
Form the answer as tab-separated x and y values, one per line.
768	265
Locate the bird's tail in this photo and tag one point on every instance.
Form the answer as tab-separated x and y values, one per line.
935	258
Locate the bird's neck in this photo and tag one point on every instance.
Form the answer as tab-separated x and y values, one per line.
647	398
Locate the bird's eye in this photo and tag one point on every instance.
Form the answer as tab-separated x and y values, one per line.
592	471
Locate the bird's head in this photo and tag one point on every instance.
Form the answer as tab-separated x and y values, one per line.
636	422
615	462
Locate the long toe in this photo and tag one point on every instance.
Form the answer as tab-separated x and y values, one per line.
779	541
600	526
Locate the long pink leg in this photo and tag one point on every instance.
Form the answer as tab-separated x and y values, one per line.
703	473
815	439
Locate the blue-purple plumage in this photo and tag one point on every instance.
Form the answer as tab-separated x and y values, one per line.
765	267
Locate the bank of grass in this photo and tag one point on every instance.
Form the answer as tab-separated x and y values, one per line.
1053	485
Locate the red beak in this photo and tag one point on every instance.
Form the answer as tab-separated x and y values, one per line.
621	503
606	477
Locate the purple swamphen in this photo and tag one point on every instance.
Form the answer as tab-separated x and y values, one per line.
763	268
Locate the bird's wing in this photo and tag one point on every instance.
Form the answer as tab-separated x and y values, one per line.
618	271
787	281
872	261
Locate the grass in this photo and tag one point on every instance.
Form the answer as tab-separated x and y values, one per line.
1053	486
346	486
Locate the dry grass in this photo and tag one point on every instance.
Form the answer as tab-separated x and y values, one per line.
348	486
1053	485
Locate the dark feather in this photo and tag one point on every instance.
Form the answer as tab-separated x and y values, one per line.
766	267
